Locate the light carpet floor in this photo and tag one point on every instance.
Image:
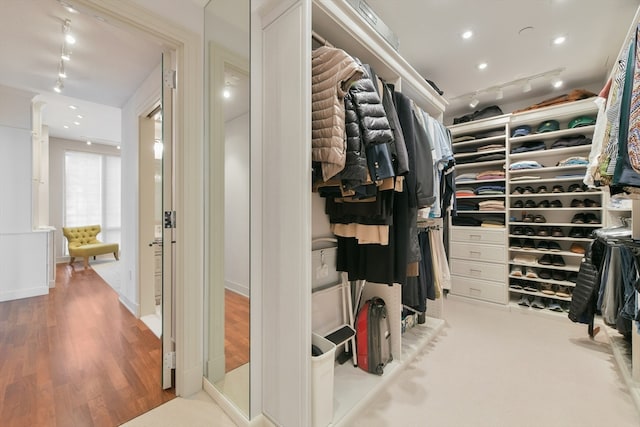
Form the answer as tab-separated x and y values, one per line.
492	367
196	411
489	367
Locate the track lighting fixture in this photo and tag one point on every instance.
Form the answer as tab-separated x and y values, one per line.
66	52
66	30
524	84
59	85
61	71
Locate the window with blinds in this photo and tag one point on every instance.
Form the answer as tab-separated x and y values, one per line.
92	192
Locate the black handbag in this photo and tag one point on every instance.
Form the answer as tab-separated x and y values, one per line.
379	161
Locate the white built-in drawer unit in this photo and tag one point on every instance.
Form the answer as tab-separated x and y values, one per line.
479	270
478	259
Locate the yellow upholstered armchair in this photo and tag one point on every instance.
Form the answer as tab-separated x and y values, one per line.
83	243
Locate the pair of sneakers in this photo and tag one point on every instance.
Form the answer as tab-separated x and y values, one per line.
535	302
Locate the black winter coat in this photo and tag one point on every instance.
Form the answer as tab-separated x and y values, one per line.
354	173
374	126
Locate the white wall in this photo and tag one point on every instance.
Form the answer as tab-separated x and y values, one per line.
23	253
141	102
236	205
57	149
188	14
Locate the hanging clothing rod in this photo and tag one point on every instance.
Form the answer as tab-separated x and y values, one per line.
317	37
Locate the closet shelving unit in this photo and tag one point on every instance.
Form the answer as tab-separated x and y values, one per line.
477	255
550	176
482	259
341	26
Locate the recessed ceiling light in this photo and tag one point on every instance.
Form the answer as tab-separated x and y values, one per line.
559	40
76	123
482	65
527	87
88	142
474	102
118	147
467	34
79	116
59	85
66	126
73	107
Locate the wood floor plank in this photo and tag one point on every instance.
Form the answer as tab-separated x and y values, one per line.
237	323
76	357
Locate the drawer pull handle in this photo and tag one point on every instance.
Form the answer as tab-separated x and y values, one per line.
475	271
475	237
475	291
475	253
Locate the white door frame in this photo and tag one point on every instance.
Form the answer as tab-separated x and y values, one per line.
189	178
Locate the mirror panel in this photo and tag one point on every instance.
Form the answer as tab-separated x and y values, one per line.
226	31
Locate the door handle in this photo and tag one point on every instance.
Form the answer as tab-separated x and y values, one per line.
155	243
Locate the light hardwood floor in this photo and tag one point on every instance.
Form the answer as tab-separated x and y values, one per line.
76	357
236	318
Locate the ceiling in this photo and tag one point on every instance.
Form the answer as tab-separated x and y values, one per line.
430	31
108	63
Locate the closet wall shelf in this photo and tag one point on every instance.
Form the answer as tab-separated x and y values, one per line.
486	165
518	183
477	153
553	135
540	154
557	209
539	280
550	267
538	294
538	252
489	196
478	181
480	212
566	239
548	169
344	28
480	141
554	224
548	195
560	112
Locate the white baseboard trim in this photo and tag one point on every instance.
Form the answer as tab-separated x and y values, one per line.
130	305
192	380
34	291
237	288
230	409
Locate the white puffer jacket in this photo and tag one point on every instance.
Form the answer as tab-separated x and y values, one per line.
332	72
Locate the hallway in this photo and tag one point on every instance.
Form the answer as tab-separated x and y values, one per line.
76	357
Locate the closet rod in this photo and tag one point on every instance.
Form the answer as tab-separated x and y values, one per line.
317	37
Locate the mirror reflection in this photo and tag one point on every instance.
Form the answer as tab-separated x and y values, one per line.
227	70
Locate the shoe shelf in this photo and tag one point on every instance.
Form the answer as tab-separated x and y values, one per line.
562	239
551	195
556	224
564	208
518	183
540	280
540	252
549	266
539	294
